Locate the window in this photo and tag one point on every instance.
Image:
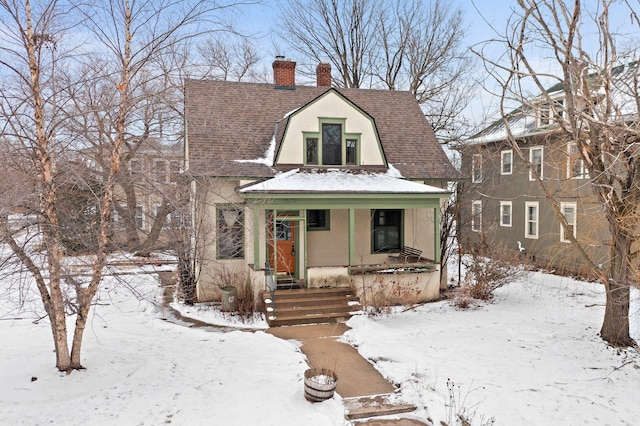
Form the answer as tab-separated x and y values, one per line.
568	210
476	216
317	220
312	151
331	144
139	216
545	115
352	151
575	163
161	171
387	230
135	167
158	213
476	168
535	158
531	219
506	161
230	235
505	213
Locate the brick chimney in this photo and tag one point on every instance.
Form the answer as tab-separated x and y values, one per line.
323	75
284	72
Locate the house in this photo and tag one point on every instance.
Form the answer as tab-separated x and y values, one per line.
317	185
502	203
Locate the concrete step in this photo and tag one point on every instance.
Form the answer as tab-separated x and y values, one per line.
375	406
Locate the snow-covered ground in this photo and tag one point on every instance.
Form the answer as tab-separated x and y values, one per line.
532	357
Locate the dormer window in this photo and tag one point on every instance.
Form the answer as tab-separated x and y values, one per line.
331	146
548	115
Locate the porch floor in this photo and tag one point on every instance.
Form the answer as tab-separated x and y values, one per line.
309	306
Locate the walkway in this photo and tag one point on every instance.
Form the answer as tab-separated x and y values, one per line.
364	391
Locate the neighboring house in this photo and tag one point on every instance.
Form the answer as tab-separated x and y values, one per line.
320	184
502	203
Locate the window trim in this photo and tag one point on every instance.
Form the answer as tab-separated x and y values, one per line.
476	172
161	176
476	218
528	204
510	204
502	155
531	151
574	205
142	216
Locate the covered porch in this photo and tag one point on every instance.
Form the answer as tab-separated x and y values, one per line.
340	229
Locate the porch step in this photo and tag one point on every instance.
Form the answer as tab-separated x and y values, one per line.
309	306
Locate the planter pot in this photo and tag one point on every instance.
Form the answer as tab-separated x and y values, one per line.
319	384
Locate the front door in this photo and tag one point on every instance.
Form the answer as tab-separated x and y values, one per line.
285	247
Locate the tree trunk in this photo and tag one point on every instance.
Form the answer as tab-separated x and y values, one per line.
615	326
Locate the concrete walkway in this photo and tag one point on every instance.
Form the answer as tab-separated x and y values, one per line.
364	391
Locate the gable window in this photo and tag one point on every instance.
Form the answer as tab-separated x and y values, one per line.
575	164
331	144
230	235
505	213
536	160
506	161
386	230
476	216
545	115
568	210
317	220
352	145
312	150
476	168
531	219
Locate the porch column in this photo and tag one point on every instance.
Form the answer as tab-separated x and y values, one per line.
352	236
257	265
436	233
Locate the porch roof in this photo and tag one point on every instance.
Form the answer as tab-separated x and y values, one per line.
335	181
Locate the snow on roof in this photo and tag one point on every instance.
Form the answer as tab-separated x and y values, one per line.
340	181
268	157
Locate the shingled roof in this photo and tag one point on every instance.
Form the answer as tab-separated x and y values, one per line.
229	124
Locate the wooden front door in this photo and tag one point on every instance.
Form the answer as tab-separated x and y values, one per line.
285	247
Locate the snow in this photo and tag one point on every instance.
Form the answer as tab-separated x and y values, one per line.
268	157
340	181
532	357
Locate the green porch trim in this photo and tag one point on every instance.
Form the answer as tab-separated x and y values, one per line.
258	264
436	233
306	201
352	236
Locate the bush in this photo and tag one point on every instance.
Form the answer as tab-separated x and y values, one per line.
488	267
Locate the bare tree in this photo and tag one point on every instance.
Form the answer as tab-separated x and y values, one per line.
599	114
48	107
396	45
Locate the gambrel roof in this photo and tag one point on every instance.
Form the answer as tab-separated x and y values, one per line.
231	128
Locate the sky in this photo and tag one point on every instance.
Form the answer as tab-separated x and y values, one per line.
485	20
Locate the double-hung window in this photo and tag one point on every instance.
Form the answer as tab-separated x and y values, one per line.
386	228
476	216
139	216
531	219
230	232
506	162
476	168
575	164
536	155
569	211
505	213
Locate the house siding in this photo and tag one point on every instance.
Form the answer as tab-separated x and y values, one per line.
547	250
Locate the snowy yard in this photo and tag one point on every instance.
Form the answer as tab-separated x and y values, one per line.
532	357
